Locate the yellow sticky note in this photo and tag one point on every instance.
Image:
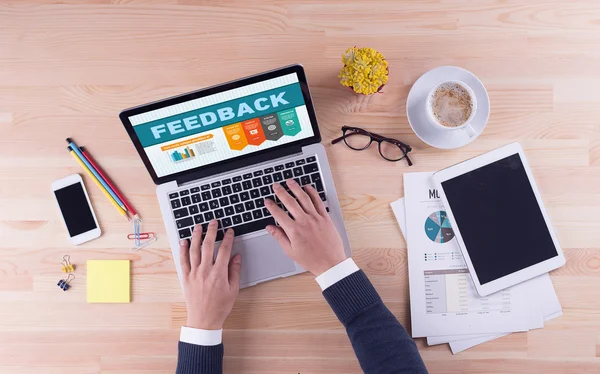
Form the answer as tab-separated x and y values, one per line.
108	281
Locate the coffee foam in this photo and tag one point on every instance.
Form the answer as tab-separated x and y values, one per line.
451	104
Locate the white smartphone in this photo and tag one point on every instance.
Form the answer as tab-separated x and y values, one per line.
77	213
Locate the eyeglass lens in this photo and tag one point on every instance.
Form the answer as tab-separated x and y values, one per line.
357	139
390	151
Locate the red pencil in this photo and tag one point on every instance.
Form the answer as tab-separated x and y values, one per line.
116	191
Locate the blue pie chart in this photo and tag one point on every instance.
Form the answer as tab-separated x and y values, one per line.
437	227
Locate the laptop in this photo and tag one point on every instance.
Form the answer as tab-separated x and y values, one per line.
215	153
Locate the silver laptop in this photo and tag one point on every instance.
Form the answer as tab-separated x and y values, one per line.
215	153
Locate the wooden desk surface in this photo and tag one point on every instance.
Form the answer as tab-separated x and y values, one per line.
68	69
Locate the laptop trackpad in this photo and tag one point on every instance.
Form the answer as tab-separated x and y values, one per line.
262	258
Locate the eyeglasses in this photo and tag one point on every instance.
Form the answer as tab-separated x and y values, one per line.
359	139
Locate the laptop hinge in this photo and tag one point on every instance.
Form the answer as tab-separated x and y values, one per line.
216	171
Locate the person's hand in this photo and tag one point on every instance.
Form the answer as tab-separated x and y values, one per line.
210	288
310	238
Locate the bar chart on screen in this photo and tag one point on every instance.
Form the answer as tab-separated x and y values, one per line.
182	154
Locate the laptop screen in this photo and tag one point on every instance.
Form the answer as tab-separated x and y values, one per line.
223	125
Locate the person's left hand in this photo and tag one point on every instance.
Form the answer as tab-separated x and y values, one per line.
210	288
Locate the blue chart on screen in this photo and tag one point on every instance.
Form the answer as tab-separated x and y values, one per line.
437	227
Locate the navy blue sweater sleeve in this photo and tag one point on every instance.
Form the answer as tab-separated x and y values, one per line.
379	340
200	359
381	344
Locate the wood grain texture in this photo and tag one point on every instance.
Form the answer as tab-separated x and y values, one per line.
68	67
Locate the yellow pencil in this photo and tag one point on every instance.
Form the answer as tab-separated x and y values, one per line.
112	200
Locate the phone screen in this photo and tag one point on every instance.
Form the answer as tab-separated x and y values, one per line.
75	209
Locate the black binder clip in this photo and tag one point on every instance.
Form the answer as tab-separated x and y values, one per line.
63	284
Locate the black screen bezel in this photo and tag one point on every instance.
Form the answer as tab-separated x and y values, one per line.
240	161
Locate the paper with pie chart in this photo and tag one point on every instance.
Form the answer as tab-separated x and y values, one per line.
437	227
443	299
540	286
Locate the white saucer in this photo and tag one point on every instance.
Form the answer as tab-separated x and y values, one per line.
417	114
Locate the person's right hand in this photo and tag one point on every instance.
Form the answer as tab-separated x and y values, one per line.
310	238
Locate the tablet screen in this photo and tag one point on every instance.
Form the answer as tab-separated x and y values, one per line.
499	219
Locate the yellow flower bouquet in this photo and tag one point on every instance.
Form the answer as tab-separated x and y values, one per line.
365	70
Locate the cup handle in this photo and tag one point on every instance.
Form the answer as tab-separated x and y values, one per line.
469	130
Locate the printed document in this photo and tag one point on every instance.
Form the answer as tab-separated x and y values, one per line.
543	304
442	295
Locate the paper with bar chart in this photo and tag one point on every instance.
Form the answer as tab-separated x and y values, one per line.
442	294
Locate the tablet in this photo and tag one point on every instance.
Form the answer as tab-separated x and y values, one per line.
499	219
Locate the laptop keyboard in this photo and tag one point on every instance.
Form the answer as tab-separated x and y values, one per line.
238	201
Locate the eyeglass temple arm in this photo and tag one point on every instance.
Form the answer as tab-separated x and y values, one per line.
408	147
337	140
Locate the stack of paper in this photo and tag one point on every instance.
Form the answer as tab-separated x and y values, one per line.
445	307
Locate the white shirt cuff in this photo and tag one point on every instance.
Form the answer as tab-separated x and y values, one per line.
201	337
337	273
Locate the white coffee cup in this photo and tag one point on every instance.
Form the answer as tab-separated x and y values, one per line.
466	127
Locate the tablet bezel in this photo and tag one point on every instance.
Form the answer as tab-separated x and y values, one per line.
525	273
